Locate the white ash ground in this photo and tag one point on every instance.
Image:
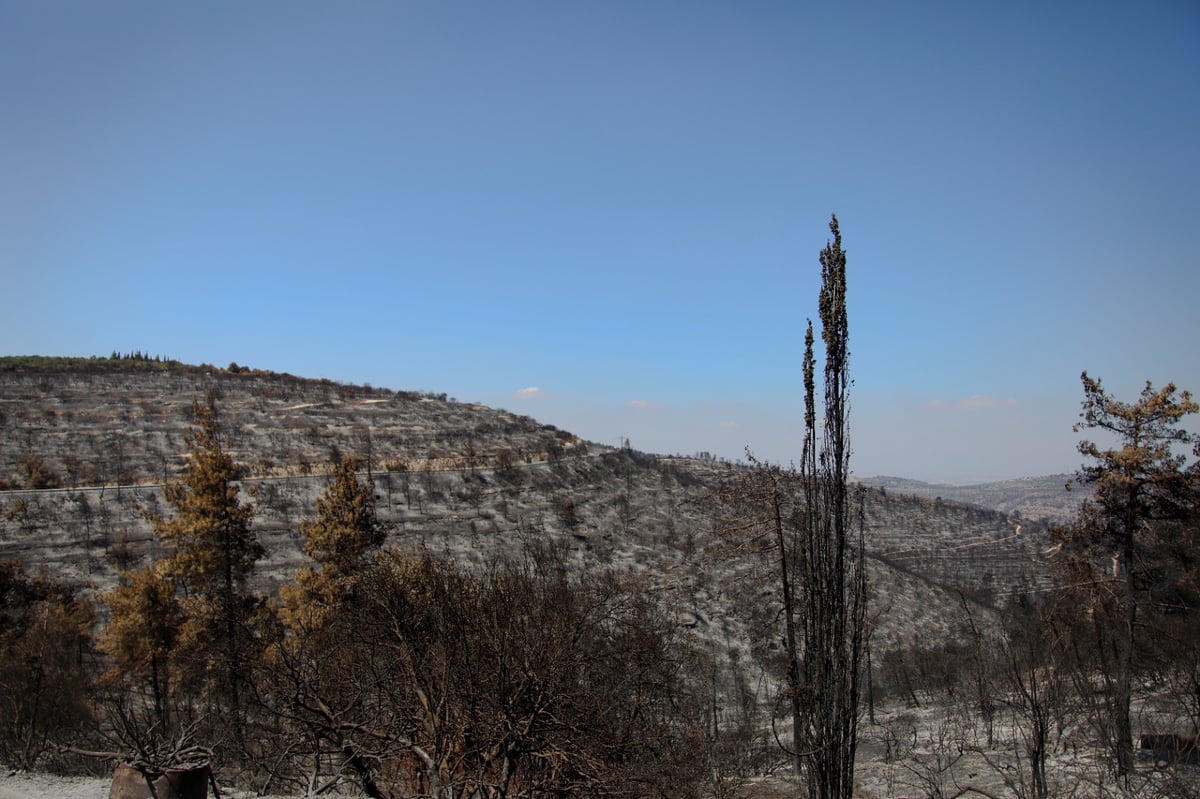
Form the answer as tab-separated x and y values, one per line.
27	785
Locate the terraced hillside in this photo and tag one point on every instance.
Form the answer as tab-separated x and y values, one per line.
1045	498
471	481
122	423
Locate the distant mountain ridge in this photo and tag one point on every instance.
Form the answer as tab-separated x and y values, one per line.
1045	497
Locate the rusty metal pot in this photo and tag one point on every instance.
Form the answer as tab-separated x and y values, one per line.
131	782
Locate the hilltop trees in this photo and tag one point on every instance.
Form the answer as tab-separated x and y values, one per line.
1133	547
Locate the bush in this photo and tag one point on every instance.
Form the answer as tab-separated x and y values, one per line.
37	474
520	682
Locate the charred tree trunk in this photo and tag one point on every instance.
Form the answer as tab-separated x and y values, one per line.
830	568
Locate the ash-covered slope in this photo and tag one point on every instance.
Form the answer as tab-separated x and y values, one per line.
115	422
1046	498
461	479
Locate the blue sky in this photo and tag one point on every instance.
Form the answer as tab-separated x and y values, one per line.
607	215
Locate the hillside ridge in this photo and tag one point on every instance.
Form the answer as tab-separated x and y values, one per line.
1051	497
457	475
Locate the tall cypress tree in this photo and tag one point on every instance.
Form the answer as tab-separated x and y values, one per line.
804	518
830	568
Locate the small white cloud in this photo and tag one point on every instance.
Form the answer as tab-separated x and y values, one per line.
644	404
982	401
730	425
531	392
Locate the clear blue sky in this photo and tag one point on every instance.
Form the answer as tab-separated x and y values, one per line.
607	215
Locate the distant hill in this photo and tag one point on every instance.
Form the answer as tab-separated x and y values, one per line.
1032	497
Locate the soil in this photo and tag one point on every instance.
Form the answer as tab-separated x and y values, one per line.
27	785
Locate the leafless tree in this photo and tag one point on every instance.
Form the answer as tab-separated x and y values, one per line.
830	562
807	521
522	681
